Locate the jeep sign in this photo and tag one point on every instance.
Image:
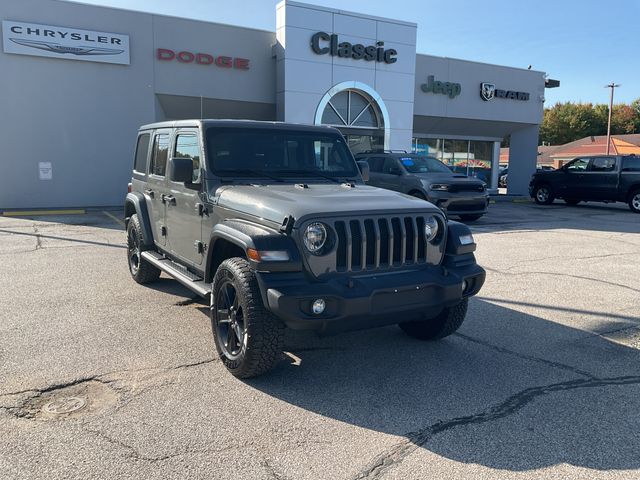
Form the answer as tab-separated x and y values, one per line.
446	88
62	42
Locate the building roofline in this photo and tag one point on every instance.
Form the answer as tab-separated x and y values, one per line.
479	63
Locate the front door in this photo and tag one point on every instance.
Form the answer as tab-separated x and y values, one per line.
157	185
572	183
184	221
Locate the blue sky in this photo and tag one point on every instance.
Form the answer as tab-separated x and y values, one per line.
584	44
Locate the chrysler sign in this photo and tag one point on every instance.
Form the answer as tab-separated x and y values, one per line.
63	42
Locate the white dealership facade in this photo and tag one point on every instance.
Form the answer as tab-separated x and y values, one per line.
77	81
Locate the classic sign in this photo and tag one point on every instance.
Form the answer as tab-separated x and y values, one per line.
446	88
488	91
322	43
203	59
62	42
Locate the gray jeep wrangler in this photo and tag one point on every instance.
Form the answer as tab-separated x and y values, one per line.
274	224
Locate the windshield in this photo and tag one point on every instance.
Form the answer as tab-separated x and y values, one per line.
243	152
424	165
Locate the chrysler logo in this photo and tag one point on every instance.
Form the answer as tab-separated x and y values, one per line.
64	49
487	91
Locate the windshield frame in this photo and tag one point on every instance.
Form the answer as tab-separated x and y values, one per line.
283	173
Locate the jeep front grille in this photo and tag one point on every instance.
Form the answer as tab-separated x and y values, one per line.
380	243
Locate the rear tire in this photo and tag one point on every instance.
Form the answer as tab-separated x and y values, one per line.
572	201
634	201
469	218
446	323
249	339
141	270
543	195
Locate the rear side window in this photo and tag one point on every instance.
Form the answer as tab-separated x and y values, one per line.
603	164
187	147
375	164
160	153
142	152
631	164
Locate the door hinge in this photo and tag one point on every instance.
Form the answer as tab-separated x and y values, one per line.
199	246
163	230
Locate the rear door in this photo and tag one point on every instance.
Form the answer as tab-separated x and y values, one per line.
601	178
184	222
375	170
390	177
157	185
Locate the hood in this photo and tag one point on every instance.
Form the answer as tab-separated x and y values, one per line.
276	201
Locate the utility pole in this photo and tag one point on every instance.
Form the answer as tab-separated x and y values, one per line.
612	86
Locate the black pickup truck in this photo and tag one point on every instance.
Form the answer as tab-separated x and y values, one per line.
607	178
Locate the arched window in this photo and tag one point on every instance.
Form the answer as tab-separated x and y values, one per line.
354	109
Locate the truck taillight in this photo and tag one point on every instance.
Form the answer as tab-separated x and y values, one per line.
129	187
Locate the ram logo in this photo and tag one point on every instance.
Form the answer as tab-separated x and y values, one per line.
63	49
487	91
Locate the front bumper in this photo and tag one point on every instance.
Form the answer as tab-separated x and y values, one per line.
462	203
364	301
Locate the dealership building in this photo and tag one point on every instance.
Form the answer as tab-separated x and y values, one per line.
78	80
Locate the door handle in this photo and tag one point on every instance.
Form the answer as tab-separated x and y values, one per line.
168	199
150	192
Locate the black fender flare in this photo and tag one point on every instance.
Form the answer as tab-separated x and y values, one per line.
135	202
246	235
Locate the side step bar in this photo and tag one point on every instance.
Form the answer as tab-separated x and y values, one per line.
181	274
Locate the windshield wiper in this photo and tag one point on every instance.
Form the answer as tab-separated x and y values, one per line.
313	173
257	173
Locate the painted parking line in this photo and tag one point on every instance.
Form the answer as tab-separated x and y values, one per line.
114	218
34	213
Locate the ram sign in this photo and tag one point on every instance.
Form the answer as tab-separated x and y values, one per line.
63	42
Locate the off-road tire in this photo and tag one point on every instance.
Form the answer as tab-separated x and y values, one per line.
446	323
572	201
264	332
541	199
469	218
634	201
141	270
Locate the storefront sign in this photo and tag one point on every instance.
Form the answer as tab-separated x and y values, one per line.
488	91
446	88
322	43
61	42
223	61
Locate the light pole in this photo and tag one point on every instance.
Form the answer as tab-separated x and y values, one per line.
612	86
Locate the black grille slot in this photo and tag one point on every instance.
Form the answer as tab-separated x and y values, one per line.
396	228
411	240
357	238
422	252
372	243
341	252
383	224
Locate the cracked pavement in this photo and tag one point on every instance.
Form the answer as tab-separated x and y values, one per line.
542	380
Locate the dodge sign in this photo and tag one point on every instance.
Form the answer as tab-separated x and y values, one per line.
62	42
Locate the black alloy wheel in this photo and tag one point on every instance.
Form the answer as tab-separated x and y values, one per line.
231	333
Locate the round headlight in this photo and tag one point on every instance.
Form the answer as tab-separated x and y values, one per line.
315	236
430	228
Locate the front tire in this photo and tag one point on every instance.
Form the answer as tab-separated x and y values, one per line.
634	201
543	195
249	339
446	323
141	270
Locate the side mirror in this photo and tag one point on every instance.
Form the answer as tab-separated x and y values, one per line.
181	170
364	170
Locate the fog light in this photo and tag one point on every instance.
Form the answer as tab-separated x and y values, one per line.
318	306
464	286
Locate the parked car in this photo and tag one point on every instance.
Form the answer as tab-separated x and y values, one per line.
504	174
429	179
274	224
597	178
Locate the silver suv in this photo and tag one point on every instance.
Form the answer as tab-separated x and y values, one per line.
430	179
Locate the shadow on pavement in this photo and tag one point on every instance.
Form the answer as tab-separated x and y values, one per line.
468	400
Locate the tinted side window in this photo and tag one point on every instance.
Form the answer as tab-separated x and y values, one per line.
603	164
187	147
390	164
160	152
631	164
142	151
579	165
375	164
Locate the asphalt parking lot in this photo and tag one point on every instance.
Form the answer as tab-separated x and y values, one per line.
542	380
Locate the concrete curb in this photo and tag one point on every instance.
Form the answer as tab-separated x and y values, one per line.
509	199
